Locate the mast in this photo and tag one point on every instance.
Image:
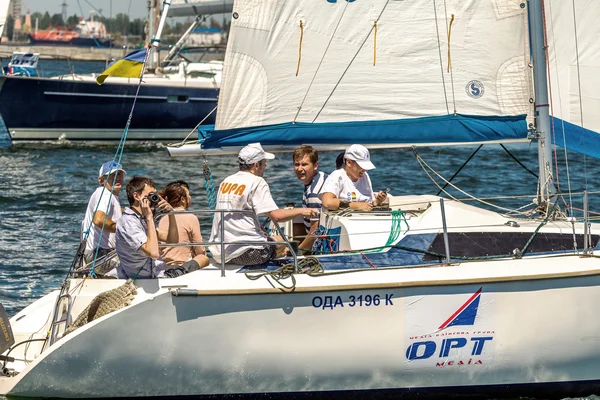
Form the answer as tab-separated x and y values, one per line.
181	42
546	187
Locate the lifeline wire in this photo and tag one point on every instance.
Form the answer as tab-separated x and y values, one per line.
425	166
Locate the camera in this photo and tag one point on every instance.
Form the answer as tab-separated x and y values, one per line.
153	198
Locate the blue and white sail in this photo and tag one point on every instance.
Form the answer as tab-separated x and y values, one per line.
574	78
384	72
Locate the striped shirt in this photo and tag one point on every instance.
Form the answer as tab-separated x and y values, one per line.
310	197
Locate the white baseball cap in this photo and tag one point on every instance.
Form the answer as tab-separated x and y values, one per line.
254	153
361	155
109	167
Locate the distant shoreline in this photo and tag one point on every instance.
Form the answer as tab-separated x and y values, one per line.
85	53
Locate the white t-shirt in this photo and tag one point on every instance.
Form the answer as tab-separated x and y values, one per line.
344	189
108	201
241	191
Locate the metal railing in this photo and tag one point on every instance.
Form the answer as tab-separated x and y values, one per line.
223	243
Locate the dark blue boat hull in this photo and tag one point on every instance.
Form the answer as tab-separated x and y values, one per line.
49	109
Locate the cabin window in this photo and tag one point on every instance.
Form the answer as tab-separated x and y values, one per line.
172	98
481	244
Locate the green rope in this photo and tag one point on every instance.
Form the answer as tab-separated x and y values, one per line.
397	217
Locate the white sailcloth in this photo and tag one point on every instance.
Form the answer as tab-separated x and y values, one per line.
375	60
3	14
574	88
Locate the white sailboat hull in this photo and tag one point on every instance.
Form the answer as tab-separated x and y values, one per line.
535	323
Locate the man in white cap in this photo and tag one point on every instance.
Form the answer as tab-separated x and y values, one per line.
103	210
247	190
350	186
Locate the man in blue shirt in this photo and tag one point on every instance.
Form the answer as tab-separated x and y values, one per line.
306	167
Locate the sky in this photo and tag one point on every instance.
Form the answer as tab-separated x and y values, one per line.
137	8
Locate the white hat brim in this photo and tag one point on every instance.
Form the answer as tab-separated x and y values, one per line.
366	165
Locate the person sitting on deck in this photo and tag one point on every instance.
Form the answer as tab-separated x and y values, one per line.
182	259
306	167
350	187
103	212
247	190
137	238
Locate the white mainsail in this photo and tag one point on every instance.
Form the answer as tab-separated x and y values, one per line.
3	14
574	65
377	60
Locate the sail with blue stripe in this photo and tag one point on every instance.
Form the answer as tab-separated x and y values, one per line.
574	74
382	72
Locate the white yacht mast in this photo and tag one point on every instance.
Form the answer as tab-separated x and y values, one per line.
546	187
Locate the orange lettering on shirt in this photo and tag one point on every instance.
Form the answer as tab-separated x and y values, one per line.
240	190
225	187
232	188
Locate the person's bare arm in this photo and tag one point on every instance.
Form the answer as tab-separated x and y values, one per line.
109	224
283	214
308	241
197	237
332	203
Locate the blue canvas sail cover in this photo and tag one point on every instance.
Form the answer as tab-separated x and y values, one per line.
444	129
374	72
575	138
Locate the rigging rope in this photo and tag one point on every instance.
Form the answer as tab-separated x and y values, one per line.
460	169
350	63
310	266
320	63
193	130
117	159
397	217
209	184
579	94
570	204
426	167
518	162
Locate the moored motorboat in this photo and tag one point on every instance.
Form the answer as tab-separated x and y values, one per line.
76	108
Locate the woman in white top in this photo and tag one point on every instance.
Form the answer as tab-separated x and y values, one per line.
350	186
